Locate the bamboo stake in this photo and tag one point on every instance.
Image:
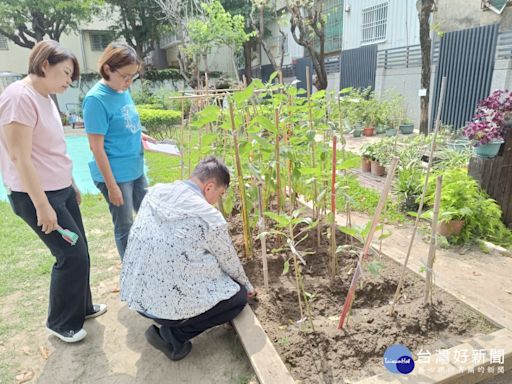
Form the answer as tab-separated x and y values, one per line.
422	199
433	243
278	164
263	239
288	136
316	214
333	209
189	147
182	128
368	242
241	186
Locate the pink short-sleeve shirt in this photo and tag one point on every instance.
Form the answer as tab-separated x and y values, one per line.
20	103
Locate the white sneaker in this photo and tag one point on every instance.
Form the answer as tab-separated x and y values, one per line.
99	309
68	336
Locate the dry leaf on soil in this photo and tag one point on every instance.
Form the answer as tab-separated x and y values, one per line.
44	352
24	376
26	350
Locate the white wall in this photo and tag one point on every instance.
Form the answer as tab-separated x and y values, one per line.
454	15
402	28
405	81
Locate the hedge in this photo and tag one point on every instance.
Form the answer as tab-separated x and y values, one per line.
159	123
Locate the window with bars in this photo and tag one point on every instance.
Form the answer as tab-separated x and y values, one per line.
333	11
373	26
4	43
99	40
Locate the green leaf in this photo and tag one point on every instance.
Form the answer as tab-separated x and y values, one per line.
353	162
241	97
272	77
286	267
282	220
374	268
350	231
264	123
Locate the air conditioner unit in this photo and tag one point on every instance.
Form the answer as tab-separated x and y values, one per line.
347	7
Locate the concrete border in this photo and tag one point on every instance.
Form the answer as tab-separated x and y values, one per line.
265	360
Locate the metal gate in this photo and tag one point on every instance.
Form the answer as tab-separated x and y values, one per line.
358	67
300	72
466	58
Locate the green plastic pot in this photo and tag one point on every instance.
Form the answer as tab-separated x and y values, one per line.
458	145
406	129
391	132
488	150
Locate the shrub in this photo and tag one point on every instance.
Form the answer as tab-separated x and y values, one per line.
463	199
159	123
148	106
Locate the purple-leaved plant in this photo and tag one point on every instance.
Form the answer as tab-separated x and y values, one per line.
489	120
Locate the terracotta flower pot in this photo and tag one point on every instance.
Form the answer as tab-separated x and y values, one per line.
377	169
366	164
450	228
368	131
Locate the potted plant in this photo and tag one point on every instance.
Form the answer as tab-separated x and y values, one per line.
367	156
357	130
371	111
486	130
406	127
383	151
393	112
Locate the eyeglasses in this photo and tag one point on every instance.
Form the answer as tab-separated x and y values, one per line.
126	77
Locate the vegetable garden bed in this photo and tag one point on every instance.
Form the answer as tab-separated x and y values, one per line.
327	354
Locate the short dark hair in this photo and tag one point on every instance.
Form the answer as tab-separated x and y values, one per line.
53	52
117	55
212	168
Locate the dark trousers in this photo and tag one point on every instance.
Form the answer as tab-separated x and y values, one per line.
223	312
70	294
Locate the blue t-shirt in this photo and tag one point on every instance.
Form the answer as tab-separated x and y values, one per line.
113	115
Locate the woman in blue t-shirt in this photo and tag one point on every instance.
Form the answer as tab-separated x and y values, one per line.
115	137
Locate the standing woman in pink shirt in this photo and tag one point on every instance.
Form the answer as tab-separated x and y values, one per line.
37	174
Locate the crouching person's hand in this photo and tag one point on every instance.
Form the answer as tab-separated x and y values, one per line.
252	294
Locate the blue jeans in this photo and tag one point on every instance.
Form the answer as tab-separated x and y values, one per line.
122	217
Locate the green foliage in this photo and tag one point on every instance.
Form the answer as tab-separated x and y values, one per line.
463	199
26	22
162	74
408	187
138	22
217	28
159	123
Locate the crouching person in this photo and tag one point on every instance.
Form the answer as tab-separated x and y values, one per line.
180	268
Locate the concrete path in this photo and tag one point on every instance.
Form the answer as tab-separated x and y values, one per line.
116	352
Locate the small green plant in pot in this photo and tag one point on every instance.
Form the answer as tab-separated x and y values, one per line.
462	199
367	155
382	152
407	127
408	186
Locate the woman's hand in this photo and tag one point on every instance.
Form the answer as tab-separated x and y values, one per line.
46	218
78	194
148	138
115	195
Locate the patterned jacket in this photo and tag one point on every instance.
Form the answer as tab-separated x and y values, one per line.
180	261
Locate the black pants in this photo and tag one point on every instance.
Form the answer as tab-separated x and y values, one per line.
223	312
70	294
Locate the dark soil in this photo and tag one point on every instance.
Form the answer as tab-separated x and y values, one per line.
329	355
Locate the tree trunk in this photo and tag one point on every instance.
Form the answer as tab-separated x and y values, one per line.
248	61
424	19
